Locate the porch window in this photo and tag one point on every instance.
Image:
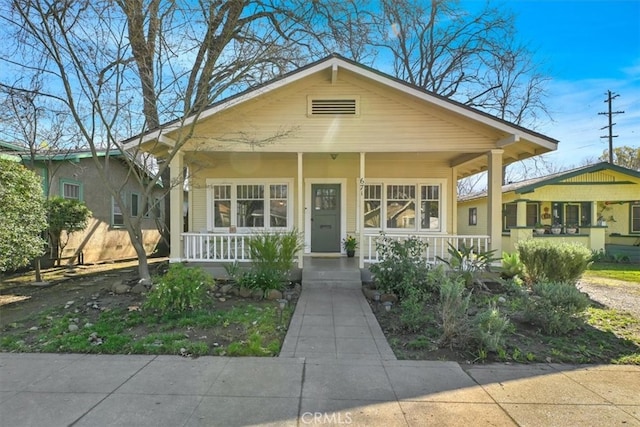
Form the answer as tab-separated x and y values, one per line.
635	218
278	205
249	205
400	205
222	205
372	205
430	206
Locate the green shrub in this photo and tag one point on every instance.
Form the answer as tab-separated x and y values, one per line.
468	260
412	310
557	307
272	256
554	261
512	266
454	304
181	289
402	265
489	328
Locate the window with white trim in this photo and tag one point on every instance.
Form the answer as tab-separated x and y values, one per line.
372	205
400	205
250	205
430	206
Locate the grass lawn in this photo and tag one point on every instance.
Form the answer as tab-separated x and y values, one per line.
625	272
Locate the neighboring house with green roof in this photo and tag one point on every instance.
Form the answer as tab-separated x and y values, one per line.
72	174
597	205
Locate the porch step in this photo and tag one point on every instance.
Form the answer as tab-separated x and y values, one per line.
312	275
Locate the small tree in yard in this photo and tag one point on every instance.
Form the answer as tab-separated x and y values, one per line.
22	216
68	216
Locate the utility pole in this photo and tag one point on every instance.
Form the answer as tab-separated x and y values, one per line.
610	97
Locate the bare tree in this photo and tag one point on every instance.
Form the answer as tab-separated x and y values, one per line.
125	67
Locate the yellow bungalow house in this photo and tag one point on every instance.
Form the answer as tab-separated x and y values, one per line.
333	149
596	205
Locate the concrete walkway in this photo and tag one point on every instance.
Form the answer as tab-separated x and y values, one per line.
332	319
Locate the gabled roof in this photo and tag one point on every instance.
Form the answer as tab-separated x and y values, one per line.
529	185
336	61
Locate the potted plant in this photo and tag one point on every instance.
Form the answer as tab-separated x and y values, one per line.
539	228
350	244
556	228
572	228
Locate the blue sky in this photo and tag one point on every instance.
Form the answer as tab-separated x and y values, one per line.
587	47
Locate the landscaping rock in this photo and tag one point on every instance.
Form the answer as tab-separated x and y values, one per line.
502	300
119	288
138	288
73	327
244	292
389	297
226	288
257	294
69	304
274	294
368	293
297	288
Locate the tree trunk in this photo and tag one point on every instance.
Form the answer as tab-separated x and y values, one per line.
143	264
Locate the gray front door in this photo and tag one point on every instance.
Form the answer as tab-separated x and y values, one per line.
325	217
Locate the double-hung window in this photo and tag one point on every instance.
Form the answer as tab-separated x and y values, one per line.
404	206
249	205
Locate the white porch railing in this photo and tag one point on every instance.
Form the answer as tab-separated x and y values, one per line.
229	247
216	247
437	245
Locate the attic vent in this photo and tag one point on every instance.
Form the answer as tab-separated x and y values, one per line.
334	106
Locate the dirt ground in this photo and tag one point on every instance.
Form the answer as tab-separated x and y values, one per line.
20	298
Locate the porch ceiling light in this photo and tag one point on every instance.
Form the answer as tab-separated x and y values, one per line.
334	156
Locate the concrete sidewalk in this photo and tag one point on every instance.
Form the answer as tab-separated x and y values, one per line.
89	390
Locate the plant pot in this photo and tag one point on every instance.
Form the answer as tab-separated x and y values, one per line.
539	230
572	230
556	230
351	253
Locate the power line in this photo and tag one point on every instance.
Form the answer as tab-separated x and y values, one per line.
610	97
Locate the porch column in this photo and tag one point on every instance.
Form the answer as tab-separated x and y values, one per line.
594	213
360	219
176	174
494	200
300	199
454	200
